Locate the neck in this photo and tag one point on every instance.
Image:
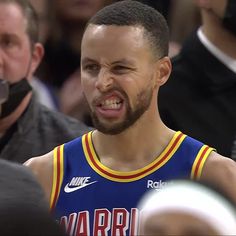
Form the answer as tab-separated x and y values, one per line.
218	35
8	121
135	147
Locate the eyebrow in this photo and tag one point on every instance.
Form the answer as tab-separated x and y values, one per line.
8	35
121	61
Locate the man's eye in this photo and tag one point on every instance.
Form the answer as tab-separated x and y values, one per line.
120	69
92	67
7	42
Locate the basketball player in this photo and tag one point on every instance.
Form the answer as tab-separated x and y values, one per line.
95	181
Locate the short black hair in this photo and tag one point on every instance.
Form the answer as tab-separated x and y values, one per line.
134	13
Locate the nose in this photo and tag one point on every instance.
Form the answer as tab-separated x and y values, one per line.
104	80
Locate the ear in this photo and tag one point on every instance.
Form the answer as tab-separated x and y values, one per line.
164	68
36	58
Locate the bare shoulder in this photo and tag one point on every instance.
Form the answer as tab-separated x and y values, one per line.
220	171
217	164
40	163
42	167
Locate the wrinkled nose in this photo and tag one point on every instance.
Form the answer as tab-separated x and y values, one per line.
104	81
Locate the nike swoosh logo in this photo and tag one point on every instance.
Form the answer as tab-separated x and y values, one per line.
68	189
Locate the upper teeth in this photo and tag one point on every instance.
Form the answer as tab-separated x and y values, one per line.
112	103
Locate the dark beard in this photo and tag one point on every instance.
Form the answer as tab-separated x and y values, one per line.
143	103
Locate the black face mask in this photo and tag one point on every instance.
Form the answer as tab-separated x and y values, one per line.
229	20
17	92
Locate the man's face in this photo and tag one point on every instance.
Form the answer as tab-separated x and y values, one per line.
15	49
41	8
117	74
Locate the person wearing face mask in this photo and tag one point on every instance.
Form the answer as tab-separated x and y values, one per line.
26	127
200	96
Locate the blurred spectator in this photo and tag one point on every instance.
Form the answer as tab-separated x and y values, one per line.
72	99
176	12
26	127
42	8
43	91
200	96
186	208
23	207
180	13
44	94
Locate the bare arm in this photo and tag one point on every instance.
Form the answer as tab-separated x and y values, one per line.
221	172
42	167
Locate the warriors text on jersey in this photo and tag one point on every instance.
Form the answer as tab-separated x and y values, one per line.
90	199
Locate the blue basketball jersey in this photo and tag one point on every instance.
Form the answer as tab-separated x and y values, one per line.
88	198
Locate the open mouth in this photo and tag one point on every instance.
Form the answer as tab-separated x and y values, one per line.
111	104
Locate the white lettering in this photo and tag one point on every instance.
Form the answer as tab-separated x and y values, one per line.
79	181
156	184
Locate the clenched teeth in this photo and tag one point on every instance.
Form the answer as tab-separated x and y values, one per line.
111	104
